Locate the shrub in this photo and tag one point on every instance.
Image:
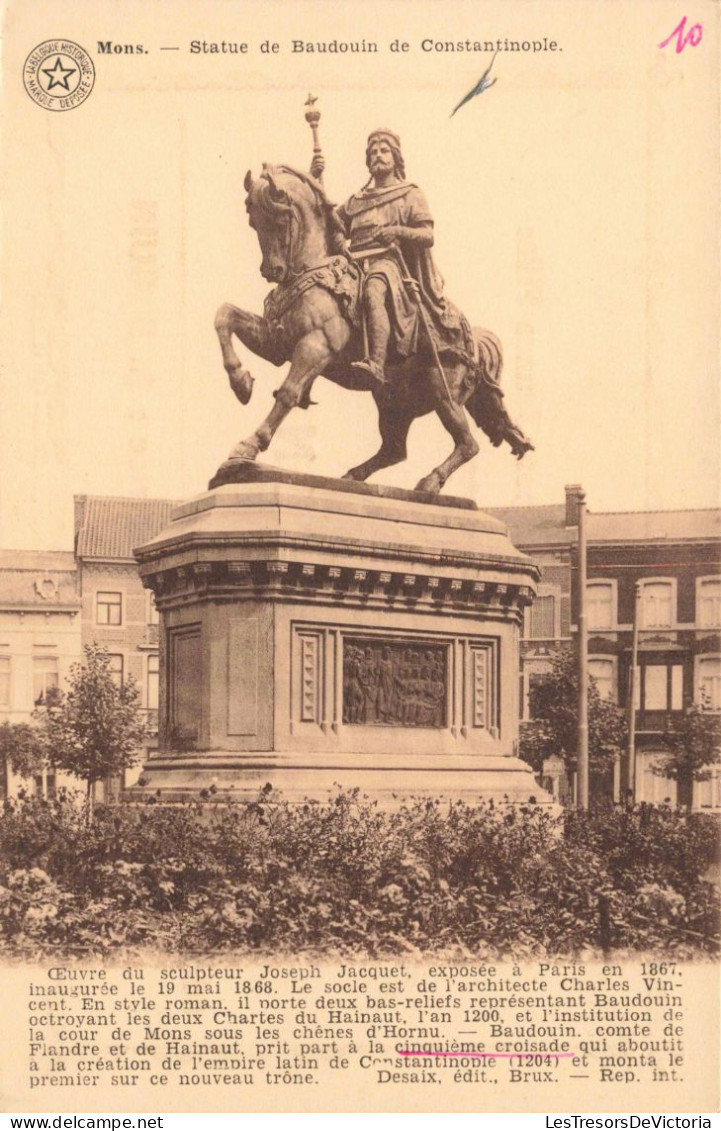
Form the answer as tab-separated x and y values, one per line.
345	876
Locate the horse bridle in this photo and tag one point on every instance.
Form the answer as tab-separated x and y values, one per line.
290	248
291	240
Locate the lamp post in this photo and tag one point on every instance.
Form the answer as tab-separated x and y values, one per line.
628	783
582	759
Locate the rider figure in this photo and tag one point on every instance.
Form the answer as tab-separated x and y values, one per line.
390	232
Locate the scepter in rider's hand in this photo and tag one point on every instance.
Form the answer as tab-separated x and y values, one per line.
312	117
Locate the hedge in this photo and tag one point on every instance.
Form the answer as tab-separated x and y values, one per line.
344	876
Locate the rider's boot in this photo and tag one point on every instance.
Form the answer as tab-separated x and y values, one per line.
379	332
372	369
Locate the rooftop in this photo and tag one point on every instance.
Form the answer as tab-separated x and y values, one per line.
546	525
654	526
536	526
109	529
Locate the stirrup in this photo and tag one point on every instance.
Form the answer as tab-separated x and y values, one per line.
372	369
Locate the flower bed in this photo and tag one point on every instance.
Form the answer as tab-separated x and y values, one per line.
343	876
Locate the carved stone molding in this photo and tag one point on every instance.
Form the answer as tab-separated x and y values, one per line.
46	588
268	579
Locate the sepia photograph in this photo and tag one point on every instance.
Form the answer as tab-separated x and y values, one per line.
360	557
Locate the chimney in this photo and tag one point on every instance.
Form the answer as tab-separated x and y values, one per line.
574	493
79	501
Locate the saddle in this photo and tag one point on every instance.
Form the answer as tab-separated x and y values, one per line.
337	274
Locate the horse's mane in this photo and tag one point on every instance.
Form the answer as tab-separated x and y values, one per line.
326	206
307	179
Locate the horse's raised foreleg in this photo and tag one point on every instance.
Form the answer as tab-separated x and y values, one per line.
310	357
454	420
394	433
253	332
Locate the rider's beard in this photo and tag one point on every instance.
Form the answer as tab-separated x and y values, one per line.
381	167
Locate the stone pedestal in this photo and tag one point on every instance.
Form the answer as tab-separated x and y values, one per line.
316	632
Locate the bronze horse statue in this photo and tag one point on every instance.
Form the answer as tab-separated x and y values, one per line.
312	318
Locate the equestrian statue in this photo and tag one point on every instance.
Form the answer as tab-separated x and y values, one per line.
357	299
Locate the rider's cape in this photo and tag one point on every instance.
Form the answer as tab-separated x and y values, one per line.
405	205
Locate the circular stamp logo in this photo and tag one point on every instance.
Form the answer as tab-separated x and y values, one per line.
58	74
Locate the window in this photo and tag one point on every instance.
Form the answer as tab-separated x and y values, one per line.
531	671
533	680
656	692
109	608
708	602
153	685
599	604
661	687
4	681
116	670
45	677
708	793
543	617
709	682
602	670
45	784
657	604
652	787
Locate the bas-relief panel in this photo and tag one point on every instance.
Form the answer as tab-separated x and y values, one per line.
394	683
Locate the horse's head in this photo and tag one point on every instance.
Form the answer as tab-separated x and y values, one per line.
290	213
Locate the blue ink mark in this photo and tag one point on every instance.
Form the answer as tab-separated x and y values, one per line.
481	85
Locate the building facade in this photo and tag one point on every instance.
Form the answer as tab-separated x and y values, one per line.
52	603
116	611
40	639
664	569
548	535
673	560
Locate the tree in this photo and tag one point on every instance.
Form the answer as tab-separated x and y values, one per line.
553	728
693	745
95	729
22	749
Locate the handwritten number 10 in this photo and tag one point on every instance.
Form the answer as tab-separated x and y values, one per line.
693	36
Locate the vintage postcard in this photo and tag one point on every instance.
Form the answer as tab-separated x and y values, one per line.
322	325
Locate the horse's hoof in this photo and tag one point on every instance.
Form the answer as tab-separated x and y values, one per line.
430	485
355	474
227	473
519	447
241	383
244	450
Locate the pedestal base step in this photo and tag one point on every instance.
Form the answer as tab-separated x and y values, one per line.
389	779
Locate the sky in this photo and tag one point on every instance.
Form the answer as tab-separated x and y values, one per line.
576	216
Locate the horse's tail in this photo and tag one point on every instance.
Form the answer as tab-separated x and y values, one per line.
490	356
485	404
